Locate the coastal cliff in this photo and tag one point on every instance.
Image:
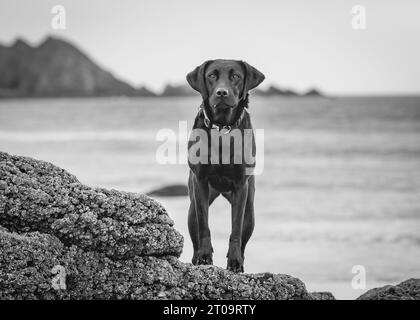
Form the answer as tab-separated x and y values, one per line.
59	68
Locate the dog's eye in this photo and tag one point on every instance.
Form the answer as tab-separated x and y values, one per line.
212	76
236	76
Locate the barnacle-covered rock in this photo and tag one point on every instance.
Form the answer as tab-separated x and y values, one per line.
38	196
406	290
31	264
60	239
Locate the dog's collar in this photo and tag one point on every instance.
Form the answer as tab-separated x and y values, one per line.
226	129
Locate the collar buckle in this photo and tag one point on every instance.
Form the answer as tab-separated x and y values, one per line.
226	129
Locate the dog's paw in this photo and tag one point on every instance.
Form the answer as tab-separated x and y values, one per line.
204	259
203	256
194	259
235	264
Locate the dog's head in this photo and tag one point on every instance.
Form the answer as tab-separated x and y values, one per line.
223	84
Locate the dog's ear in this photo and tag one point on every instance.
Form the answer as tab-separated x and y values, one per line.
253	78
196	79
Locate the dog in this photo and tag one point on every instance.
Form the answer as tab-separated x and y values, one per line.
224	87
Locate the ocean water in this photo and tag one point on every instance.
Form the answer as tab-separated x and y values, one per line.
340	185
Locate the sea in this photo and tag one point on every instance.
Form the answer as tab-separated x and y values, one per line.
337	200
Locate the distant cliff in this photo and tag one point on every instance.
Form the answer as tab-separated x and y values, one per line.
56	68
273	91
178	91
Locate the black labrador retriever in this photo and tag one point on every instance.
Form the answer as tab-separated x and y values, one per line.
224	86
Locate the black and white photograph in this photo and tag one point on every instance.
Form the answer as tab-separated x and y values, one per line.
191	150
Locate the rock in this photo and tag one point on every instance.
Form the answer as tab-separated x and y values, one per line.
38	196
62	240
28	259
313	93
177	91
407	290
322	295
275	91
175	190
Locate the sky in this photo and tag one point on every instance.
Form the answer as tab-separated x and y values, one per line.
296	44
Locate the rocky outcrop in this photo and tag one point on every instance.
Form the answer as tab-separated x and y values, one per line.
274	91
178	91
174	190
56	68
60	239
38	196
407	290
324	295
28	261
313	93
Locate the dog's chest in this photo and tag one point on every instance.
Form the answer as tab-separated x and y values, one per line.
224	178
222	158
236	147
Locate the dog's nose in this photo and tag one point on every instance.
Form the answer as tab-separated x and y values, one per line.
222	92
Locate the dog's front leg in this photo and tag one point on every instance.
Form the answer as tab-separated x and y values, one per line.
201	200
235	261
